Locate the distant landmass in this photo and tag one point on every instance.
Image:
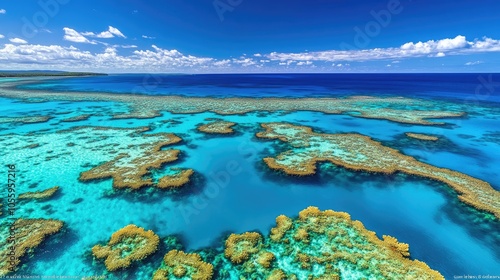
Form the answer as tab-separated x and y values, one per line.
42	73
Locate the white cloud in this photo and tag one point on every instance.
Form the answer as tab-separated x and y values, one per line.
301	63
74	36
18	41
128	46
110	33
223	63
155	59
3	11
439	48
148	37
1	36
245	62
470	63
127	58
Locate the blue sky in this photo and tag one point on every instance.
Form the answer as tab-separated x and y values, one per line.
251	35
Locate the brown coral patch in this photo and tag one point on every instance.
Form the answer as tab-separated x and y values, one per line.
420	136
28	234
127	245
176	180
283	223
39	195
217	127
129	172
180	265
239	247
77	118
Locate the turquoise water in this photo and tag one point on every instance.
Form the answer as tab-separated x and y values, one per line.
234	191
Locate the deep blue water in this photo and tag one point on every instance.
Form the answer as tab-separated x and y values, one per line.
483	87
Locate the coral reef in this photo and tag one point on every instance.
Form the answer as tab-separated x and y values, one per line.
217	127
420	136
361	153
403	110
25	120
318	245
176	180
127	245
27	235
185	266
128	171
39	195
239	247
77	118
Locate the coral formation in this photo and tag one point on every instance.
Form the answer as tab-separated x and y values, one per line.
39	195
128	171
176	180
127	245
217	127
420	136
27	235
396	109
185	266
336	248
25	120
239	247
361	153
77	118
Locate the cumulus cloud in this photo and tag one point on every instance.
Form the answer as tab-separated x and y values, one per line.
2	11
1	36
18	41
244	61
148	37
301	63
127	58
74	36
110	33
223	63
431	48
154	59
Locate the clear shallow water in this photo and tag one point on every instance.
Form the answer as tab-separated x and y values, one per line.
442	232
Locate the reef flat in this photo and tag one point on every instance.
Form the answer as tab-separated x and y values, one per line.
27	235
25	120
39	195
397	109
359	152
421	136
217	127
128	171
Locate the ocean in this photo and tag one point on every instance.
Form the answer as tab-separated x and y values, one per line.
233	190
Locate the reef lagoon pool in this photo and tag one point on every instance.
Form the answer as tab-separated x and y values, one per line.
204	176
